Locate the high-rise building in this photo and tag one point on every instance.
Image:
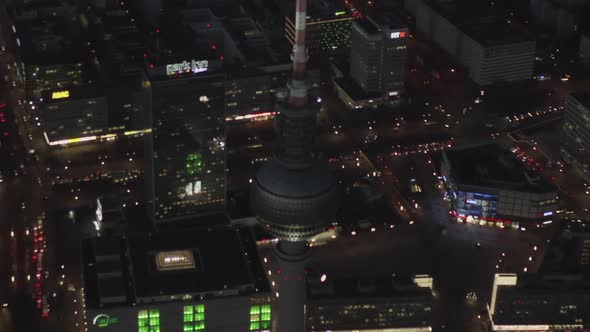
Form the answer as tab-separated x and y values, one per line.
378	56
185	170
328	24
191	281
376	305
492	51
575	138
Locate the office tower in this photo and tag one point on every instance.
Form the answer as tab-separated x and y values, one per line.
378	56
490	185
189	281
186	172
328	27
575	138
294	196
492	51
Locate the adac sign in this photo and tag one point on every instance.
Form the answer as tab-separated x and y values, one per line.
103	320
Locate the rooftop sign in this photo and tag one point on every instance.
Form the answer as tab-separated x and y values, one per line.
60	94
187	67
398	34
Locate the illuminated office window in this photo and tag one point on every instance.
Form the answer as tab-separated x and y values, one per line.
194	318
260	316
148	320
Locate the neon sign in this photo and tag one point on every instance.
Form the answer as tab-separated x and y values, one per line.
103	320
396	35
187	67
60	94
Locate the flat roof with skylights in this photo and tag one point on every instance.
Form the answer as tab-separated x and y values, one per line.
168	265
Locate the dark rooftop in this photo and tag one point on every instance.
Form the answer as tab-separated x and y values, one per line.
225	264
537	300
369	26
583	98
492	165
354	90
480	22
376	287
48	41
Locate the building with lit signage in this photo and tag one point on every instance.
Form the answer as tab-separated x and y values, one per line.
175	281
51	53
585	47
378	58
185	155
75	113
328	28
575	136
489	185
492	51
382	304
540	303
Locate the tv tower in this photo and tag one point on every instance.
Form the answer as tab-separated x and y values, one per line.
295	195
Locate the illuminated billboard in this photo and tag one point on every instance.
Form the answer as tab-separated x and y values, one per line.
60	94
187	67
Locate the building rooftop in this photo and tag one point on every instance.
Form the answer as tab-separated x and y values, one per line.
320	9
368	25
537	300
480	22
166	265
49	41
376	287
583	98
492	165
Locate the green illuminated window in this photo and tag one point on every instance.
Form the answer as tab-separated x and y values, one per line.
148	320
260	317
194	318
194	163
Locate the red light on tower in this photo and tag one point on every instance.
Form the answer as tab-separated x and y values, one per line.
213	47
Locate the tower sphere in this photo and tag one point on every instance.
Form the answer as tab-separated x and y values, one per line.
295	203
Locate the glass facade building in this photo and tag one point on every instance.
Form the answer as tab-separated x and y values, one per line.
186	175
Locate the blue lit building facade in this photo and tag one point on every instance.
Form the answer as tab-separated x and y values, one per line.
488	185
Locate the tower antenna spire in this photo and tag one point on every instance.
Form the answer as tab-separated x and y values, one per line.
297	88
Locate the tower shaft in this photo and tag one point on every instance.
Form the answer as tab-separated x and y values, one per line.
292	258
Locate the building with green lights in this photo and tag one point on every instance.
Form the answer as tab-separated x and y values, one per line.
185	155
176	282
328	28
